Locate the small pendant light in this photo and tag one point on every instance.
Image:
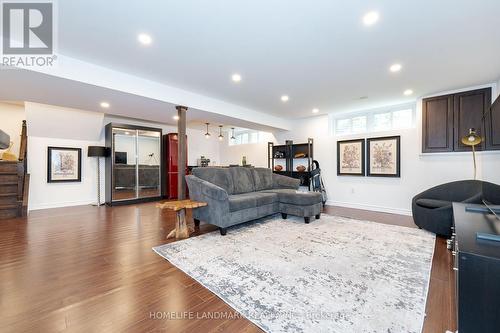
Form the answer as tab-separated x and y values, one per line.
221	137
232	135
207	135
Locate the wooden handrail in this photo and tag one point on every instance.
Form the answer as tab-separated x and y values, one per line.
24	143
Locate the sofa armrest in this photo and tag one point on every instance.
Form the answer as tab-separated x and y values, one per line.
206	189
280	181
217	210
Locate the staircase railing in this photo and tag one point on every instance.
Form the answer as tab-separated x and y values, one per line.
23	154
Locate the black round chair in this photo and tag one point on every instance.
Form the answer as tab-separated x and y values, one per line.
432	209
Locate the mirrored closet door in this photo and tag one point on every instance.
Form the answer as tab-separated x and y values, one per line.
133	172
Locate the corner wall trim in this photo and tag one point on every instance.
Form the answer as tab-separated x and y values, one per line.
399	211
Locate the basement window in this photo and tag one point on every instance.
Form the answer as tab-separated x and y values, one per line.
244	138
375	120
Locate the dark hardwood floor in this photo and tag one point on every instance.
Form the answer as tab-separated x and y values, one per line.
89	269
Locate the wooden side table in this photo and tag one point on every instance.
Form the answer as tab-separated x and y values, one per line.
181	230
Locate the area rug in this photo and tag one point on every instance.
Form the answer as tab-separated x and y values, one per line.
333	275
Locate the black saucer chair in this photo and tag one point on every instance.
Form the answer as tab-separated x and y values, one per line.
432	209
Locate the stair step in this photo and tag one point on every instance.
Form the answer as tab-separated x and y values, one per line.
9	183
8	200
8	166
8	173
9	206
10	194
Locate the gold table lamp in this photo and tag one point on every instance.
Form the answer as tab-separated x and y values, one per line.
472	139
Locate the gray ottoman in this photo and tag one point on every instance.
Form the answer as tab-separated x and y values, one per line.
304	204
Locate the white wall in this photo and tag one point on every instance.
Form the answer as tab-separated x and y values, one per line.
80	129
418	171
255	153
49	195
62	127
11	121
57	122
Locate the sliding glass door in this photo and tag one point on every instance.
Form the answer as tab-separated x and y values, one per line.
125	164
149	156
136	163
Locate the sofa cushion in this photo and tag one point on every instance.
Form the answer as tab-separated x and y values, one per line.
250	200
242	180
298	198
217	176
265	198
262	178
433	203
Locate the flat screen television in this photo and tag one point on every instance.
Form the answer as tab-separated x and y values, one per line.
120	157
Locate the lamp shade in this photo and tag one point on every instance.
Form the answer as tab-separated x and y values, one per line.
472	138
97	151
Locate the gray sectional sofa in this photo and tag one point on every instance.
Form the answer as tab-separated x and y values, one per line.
236	195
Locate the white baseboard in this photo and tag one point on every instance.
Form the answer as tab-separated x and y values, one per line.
60	204
374	208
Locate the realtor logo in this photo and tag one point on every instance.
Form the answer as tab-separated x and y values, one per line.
27	33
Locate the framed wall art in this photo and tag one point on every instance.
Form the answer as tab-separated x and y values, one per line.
351	157
64	164
384	156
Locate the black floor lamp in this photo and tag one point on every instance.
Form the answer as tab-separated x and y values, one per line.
98	151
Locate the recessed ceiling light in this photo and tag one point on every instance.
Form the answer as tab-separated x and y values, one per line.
176	117
284	98
395	68
315	110
105	105
145	39
236	77
408	92
370	18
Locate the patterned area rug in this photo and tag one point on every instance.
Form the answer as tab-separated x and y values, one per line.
333	275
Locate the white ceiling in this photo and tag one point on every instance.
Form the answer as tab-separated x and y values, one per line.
317	52
30	86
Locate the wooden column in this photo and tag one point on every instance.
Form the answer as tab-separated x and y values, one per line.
182	152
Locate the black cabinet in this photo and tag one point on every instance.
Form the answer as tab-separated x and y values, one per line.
437	122
446	119
134	170
477	267
468	110
492	124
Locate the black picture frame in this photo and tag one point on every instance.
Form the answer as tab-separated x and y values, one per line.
397	139
363	163
50	178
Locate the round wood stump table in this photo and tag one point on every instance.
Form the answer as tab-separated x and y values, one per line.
181	230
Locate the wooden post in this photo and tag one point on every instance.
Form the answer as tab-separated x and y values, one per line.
182	152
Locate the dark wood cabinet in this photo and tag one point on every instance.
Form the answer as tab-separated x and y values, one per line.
134	169
446	119
468	111
492	127
437	122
